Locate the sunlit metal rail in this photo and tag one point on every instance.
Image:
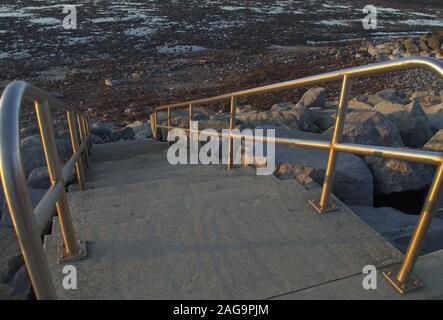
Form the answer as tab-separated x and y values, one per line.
403	280
29	223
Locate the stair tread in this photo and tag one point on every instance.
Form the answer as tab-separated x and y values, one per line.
234	251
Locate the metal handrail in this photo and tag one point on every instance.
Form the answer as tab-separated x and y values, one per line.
403	280
28	222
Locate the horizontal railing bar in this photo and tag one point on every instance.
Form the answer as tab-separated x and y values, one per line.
418	156
70	165
45	208
355	72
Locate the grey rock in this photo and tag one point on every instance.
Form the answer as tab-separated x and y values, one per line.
353	180
122	133
397	227
435	116
372	128
142	130
33	155
10	256
323	119
96	139
410	47
390	95
39	178
296	118
101	131
314	97
35	194
435	143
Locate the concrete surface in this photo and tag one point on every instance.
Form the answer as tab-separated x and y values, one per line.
205	233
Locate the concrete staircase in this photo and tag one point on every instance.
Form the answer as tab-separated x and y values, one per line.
158	231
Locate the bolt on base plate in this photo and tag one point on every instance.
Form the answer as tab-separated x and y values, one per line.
330	207
413	283
64	257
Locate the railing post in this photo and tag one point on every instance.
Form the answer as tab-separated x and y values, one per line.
71	248
324	204
231	127
75	146
83	137
88	134
190	115
154	128
405	281
169	122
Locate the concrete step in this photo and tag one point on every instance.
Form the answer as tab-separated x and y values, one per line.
235	251
171	192
169	180
141	209
125	150
123	164
198	172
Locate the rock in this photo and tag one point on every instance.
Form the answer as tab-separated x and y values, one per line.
433	41
39	178
359	105
296	118
410	47
372	128
102	131
35	194
10	256
323	119
96	139
414	131
390	95
136	76
33	155
411	120
122	134
435	143
110	82
14	282
314	97
398	176
397	227
141	129
284	106
29	131
439	55
21	285
435	116
353	180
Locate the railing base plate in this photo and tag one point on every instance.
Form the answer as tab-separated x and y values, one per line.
330	208
64	257
413	283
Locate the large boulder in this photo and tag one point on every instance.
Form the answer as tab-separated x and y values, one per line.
297	117
35	194
353	180
435	143
372	128
411	120
397	227
33	155
314	97
323	119
435	115
389	95
14	282
142	130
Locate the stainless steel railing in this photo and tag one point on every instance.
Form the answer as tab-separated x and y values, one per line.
28	222
403	280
